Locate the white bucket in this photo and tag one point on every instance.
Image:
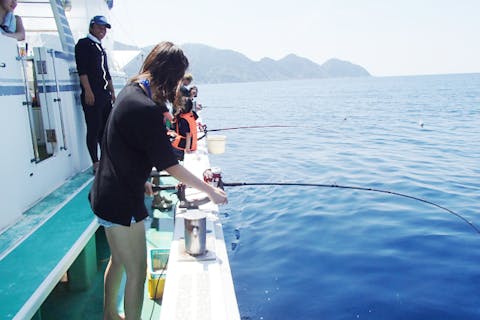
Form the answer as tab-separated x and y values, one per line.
216	144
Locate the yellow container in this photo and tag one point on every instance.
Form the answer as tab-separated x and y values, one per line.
156	285
157	272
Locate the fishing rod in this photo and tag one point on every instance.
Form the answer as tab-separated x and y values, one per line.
205	130
222	184
250	127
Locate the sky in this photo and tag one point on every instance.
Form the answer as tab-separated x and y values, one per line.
387	37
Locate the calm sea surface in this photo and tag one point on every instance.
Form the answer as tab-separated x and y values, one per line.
325	253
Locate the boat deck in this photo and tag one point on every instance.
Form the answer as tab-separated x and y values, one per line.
60	232
202	287
39	249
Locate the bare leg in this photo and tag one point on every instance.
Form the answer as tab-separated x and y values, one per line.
128	246
113	277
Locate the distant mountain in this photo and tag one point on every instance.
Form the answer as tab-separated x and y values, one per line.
212	65
295	67
340	68
209	64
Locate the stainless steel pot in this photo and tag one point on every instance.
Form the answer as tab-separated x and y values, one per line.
195	232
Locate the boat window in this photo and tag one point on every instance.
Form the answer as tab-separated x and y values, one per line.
43	139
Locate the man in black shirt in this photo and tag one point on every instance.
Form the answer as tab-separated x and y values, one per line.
97	88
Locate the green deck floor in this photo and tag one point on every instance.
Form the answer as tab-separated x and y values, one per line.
40	211
63	303
26	268
88	304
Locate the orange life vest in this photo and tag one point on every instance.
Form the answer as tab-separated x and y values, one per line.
180	141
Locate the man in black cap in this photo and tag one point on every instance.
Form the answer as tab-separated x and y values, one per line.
97	88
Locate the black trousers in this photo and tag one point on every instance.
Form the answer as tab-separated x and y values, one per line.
96	118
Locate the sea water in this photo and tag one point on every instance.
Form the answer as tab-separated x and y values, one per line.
326	253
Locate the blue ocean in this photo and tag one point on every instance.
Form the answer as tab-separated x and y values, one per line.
330	253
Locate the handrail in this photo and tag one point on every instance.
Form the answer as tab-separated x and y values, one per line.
40	30
58	100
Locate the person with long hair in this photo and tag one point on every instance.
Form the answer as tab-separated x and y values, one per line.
134	141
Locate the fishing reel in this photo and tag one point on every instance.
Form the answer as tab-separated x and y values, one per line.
180	192
213	176
186	204
202	127
164	204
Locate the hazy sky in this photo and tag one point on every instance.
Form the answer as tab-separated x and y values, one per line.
387	37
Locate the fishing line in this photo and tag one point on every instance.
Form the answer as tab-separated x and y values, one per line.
251	127
239	184
205	130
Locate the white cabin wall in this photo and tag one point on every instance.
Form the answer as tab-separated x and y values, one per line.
46	176
16	155
23	183
50	173
15	138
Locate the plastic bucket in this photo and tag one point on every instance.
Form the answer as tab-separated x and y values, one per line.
216	144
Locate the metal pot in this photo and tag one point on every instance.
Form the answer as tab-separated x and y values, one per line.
195	232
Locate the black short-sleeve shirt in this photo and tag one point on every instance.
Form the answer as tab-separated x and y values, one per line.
135	140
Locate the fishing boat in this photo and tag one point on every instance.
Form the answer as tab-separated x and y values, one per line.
52	251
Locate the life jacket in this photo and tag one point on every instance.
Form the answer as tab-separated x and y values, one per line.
180	141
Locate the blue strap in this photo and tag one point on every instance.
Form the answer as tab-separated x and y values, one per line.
146	85
9	23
